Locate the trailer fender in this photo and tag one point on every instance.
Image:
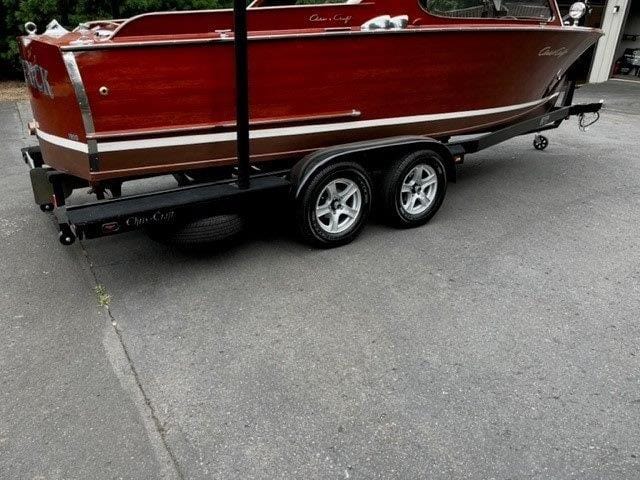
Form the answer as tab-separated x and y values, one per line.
369	155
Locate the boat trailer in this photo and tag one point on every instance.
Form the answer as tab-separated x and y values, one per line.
240	192
111	216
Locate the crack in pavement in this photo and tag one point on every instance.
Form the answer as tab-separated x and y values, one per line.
121	361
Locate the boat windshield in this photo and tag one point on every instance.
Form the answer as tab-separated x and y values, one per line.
281	3
538	9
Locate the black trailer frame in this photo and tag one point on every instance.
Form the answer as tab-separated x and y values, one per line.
117	215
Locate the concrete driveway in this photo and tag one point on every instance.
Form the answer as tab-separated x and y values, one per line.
499	341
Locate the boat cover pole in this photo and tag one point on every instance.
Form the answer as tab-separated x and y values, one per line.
242	92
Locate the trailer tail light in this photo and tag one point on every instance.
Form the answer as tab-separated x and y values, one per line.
111	227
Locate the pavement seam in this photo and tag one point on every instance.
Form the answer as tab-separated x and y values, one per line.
23	121
159	428
19	114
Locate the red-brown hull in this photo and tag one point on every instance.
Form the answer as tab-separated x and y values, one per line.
159	108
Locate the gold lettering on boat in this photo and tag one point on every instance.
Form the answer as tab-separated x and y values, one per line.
553	52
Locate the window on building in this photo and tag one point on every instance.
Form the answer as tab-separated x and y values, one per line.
538	9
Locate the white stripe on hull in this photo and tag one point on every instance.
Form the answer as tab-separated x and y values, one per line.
197	139
63	142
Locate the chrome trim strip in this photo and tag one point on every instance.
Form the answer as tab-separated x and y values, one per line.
81	94
309	129
344	6
152	43
71	65
197	139
222	126
324	33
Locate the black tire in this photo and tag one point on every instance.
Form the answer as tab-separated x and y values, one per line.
308	224
201	232
66	236
540	142
392	183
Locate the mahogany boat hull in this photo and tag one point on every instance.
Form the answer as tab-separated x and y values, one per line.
134	109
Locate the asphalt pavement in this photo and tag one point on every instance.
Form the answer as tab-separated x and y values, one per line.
499	341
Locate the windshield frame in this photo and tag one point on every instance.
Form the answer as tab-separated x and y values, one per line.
551	3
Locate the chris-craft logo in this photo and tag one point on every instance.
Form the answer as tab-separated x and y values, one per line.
344	19
37	77
156	218
553	52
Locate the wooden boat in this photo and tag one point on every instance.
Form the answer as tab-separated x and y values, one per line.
155	94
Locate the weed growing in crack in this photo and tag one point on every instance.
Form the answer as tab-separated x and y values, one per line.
103	297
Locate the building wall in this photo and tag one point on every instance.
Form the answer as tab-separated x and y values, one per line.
615	16
631	27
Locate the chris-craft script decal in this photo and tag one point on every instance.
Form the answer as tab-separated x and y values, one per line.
553	52
337	18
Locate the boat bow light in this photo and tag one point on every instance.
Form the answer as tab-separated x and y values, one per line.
577	11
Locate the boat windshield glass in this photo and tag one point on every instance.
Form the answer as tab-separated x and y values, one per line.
538	9
280	3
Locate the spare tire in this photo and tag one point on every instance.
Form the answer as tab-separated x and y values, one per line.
199	232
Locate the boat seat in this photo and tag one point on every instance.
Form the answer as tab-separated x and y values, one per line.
386	22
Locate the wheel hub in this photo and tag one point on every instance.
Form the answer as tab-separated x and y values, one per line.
339	206
419	189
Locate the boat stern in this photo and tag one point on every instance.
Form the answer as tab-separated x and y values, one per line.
53	82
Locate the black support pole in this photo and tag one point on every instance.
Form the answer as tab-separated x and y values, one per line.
242	92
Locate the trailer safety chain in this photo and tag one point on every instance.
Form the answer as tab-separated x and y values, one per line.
585	122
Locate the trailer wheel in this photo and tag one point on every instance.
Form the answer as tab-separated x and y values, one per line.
201	232
540	142
66	236
413	189
333	208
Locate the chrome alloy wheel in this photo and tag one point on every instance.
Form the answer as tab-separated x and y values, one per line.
339	205
419	189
